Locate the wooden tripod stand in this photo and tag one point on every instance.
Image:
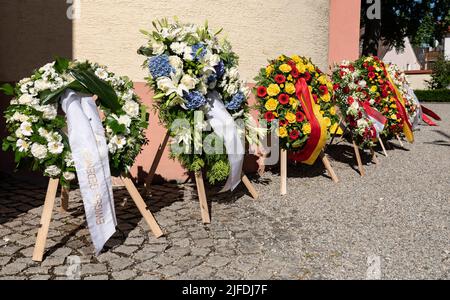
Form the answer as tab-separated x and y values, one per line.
206	219
49	203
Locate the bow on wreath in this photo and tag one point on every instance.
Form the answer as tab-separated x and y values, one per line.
400	102
318	136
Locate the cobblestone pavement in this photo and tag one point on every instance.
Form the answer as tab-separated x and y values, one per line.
391	224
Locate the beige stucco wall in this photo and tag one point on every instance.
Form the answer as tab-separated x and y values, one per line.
108	30
417	81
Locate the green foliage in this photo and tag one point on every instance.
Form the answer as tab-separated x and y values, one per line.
440	79
442	95
7	89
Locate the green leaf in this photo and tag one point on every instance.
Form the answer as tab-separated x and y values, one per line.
115	126
106	94
7	89
61	64
49	97
159	96
5	146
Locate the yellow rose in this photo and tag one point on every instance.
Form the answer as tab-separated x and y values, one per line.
296	58
282	132
393	117
301	68
333	110
273	90
285	68
323	80
310	67
293	102
393	106
326	97
373	88
289	88
392	99
275	114
336	129
271	104
289	77
327	121
306	128
291	117
269	70
281	58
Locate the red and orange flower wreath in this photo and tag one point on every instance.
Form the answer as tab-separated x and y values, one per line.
295	92
385	97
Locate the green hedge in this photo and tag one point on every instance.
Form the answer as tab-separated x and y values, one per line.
442	95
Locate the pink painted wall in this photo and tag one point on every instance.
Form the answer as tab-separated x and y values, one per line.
344	30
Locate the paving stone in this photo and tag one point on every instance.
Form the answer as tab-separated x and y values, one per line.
147	266
147	276
107	256
144	254
201	272
124	275
127	250
40	277
217	261
177	252
96	277
134	241
53	261
9	250
37	270
4	260
188	262
169	271
120	263
93	269
12	268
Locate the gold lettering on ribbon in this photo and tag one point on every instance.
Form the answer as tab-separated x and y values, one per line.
93	184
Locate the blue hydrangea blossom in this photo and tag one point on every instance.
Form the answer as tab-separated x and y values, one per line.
236	101
194	100
159	66
195	48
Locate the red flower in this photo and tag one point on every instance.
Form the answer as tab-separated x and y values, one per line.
295	73
323	89
336	86
350	100
269	116
342	73
307	76
279	78
365	65
283	122
346	90
371	69
283	99
261	91
291	63
384	93
294	134
315	97
299	116
351	68
371	75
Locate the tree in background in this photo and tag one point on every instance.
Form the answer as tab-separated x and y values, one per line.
424	21
440	79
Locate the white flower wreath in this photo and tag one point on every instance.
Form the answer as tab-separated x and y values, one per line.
37	131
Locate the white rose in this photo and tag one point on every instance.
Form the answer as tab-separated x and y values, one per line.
187	53
25	99
101	73
44	133
131	108
214	60
18	133
128	95
119	141
188	81
158	48
49	112
69	160
52	171
55	147
41	85
233	73
231	89
176	62
178	48
39	151
69	176
125	120
362	83
362	123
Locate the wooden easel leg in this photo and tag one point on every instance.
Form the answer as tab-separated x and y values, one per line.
399	140
382	147
283	172
327	165
358	159
159	153
250	187
374	156
64	199
202	197
145	212
46	217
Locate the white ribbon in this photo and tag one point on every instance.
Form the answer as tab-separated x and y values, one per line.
224	126
90	154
